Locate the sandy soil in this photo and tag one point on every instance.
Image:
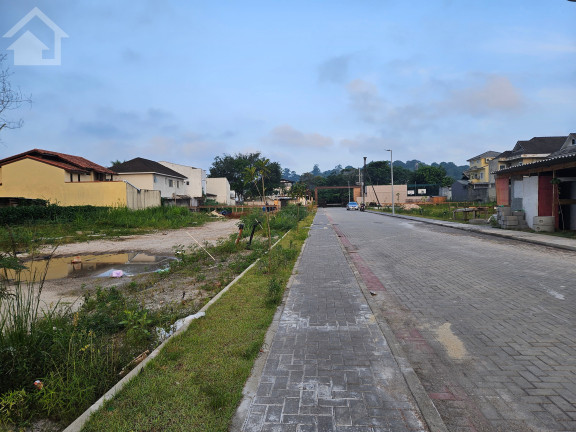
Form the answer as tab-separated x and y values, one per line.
70	290
160	243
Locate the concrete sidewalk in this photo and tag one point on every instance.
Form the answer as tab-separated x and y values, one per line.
528	237
329	366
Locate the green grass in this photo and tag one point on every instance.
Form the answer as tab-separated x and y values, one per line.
435	211
196	382
35	225
78	355
563	234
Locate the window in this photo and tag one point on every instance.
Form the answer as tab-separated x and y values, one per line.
155	179
170	183
481	176
177	184
502	166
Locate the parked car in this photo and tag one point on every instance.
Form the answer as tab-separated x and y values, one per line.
352	206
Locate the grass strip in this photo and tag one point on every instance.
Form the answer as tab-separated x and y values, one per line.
196	382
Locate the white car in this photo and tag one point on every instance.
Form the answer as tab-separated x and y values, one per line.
352	205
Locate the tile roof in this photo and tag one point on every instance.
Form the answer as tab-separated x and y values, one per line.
562	150
141	165
569	147
487	154
539	145
61	160
548	162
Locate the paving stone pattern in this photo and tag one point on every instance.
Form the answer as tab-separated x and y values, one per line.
329	367
488	324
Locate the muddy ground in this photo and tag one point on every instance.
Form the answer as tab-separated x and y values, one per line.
71	290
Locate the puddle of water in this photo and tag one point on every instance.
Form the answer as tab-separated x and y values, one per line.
452	344
556	294
409	225
92	265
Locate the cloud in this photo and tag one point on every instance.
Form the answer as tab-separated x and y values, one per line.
365	99
128	55
496	94
287	136
368	143
531	43
484	96
335	69
110	123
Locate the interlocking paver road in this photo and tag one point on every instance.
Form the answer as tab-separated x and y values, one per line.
488	324
329	367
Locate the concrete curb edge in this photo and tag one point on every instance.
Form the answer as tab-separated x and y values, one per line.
251	386
78	424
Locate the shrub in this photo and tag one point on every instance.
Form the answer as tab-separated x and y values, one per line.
14	407
274	293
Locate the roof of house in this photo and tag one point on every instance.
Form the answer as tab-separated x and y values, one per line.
557	150
60	160
505	154
548	162
539	145
488	154
141	165
569	147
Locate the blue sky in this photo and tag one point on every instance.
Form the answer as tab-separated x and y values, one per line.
304	82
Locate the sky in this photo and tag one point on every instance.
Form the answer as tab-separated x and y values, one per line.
303	82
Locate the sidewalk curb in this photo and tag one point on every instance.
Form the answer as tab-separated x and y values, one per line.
78	424
430	414
506	234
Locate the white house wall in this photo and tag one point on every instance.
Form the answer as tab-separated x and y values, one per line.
157	182
196	184
530	198
220	187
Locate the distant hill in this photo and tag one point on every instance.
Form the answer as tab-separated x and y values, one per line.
452	170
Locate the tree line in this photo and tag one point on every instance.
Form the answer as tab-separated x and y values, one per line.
245	172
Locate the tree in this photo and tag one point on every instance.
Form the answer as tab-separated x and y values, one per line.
298	190
115	163
290	175
430	175
234	169
10	99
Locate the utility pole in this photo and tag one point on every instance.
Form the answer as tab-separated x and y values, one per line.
364	182
348	190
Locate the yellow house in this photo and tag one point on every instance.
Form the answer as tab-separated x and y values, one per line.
68	180
479	171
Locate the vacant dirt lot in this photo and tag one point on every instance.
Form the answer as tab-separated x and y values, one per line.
160	243
70	290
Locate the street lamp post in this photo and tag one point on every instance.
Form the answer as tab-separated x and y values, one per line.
392	179
364	182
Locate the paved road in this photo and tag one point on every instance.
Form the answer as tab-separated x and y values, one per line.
488	324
